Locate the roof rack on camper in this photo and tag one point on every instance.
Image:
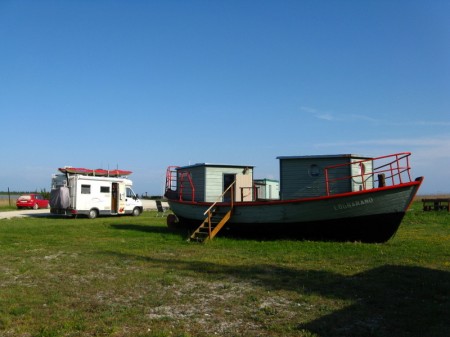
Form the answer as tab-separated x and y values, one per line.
94	172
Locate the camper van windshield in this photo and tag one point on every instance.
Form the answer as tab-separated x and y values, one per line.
130	193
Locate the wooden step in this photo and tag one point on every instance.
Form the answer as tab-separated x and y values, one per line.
203	232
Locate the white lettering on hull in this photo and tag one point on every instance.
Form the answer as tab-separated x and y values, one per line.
357	203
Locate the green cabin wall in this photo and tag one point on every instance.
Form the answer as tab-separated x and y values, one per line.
298	179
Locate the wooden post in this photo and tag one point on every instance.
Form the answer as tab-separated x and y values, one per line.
381	180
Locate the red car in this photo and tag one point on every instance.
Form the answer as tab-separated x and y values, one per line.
32	200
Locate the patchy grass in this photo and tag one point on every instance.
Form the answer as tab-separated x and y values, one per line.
130	276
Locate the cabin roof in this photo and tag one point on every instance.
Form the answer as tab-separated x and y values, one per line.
214	165
266	179
329	156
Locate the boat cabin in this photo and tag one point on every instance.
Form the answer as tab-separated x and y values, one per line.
305	176
300	177
210	182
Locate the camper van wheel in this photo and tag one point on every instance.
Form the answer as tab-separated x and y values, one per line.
92	214
136	211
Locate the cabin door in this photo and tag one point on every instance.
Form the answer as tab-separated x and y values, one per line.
362	176
114	197
228	179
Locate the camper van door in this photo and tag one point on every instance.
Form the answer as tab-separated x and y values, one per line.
122	198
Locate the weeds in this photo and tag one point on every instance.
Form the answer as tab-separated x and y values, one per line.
131	276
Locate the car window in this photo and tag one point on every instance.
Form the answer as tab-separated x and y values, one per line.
25	197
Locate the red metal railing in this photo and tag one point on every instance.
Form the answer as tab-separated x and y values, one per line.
176	181
185	177
171	178
392	168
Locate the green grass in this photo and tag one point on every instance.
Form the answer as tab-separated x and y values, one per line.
130	276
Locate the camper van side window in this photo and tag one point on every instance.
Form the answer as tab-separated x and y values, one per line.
104	189
85	189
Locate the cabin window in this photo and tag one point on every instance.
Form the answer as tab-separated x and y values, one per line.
314	170
85	189
104	189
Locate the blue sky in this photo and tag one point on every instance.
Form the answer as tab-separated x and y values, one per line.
141	85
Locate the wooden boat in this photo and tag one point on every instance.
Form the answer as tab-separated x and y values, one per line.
353	198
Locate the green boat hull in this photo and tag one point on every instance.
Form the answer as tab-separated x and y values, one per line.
367	216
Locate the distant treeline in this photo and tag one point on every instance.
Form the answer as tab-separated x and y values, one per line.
43	191
151	197
47	194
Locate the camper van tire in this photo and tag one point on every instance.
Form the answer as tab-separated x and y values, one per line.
136	211
93	213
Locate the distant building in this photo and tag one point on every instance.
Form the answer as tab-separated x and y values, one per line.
267	189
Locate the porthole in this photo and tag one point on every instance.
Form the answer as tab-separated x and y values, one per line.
314	170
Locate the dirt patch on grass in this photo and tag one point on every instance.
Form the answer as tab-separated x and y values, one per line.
221	307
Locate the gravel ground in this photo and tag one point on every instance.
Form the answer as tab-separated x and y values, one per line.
148	205
24	213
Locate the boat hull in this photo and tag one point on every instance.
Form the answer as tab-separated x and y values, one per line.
368	216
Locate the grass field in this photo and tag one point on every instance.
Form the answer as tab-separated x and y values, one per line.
130	276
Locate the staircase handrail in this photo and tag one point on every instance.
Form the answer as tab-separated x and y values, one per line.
219	198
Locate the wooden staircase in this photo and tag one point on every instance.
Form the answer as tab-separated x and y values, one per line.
216	217
213	223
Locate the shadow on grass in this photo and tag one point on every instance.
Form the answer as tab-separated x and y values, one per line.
150	229
388	301
44	216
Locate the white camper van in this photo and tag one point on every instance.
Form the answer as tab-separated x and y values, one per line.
93	193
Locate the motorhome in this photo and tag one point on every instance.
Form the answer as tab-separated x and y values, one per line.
93	192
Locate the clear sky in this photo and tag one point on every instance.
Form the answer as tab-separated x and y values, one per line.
141	85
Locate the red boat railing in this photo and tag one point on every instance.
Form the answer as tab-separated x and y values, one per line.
185	178
382	171
171	178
